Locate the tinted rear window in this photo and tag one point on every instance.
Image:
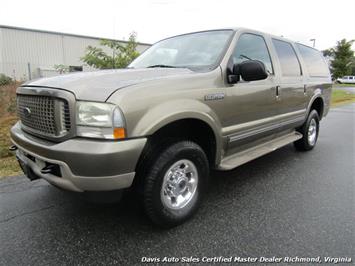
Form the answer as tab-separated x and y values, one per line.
290	65
315	63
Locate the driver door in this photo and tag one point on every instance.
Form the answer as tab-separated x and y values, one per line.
251	104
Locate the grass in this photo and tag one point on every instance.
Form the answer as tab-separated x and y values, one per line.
6	123
343	85
9	167
8	163
340	97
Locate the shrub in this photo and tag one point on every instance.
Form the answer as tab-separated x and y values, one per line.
5	80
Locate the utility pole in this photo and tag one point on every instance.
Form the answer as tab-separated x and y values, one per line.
314	42
29	71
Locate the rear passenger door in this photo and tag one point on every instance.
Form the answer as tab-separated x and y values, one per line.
290	90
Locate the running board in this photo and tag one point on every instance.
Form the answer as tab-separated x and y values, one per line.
245	156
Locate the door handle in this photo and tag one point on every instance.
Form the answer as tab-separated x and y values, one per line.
277	91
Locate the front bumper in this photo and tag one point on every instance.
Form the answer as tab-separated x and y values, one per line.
85	165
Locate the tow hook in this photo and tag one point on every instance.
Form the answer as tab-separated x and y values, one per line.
48	169
13	148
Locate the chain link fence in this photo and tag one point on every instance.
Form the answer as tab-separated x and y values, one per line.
23	71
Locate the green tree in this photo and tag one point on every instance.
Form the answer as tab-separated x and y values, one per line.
341	58
122	54
61	68
353	67
4	80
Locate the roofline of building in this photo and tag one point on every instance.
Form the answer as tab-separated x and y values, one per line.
65	34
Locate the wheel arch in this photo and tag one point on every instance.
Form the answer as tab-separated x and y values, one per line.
193	129
317	103
172	131
184	116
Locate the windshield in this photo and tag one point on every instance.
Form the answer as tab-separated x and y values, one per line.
201	50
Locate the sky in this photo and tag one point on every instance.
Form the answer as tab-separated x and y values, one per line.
326	21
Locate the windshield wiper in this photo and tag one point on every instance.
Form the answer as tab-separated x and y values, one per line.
245	57
165	66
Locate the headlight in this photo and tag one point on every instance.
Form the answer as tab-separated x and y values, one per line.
99	120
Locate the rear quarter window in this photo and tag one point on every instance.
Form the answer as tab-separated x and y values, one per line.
315	63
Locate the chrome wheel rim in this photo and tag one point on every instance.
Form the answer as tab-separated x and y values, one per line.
312	132
179	184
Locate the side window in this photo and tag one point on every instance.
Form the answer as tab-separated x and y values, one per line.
315	63
290	65
252	47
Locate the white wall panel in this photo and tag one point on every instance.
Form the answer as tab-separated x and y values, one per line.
42	50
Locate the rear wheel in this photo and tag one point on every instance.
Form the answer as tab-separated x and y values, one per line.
310	131
175	183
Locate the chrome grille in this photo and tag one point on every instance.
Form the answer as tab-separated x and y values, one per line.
43	115
65	116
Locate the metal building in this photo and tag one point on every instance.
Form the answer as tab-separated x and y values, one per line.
28	53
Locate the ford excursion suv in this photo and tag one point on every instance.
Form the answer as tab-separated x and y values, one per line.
190	103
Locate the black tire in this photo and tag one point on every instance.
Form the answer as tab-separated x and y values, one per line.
305	144
153	194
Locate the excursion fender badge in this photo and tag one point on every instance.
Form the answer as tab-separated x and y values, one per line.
214	97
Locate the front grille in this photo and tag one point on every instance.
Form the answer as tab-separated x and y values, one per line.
43	115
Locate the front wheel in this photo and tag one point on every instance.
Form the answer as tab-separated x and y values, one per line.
310	131
175	183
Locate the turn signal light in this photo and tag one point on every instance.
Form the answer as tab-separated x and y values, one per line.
119	133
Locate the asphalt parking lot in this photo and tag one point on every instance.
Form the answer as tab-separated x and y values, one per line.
286	203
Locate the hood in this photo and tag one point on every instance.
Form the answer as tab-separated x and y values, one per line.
99	85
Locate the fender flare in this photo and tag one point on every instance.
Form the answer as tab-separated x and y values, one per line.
172	111
317	94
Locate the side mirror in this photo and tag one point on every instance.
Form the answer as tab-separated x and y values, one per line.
249	71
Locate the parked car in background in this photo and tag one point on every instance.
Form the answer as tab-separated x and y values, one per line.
190	103
346	80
